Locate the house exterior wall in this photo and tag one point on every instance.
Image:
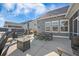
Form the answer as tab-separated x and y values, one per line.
71	24
41	25
11	25
25	26
72	14
33	25
78	26
41	22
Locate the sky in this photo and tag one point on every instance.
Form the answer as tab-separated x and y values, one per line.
21	12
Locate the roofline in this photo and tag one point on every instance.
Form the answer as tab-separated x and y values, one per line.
58	8
69	9
52	16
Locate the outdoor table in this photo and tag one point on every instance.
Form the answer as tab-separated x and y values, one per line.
23	44
53	53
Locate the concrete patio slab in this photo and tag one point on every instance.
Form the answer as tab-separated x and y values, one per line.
41	48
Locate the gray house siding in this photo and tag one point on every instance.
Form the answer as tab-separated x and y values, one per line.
73	15
41	25
71	25
78	27
71	29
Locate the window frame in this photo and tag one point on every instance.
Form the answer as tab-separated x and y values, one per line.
53	26
49	26
61	26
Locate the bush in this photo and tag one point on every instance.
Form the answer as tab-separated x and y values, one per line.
44	36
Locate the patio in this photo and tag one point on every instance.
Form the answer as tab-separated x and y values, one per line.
42	48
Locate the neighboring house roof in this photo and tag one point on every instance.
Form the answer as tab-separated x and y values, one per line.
12	24
7	22
55	12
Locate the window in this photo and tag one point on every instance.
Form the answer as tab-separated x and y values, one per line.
47	26
64	25
55	26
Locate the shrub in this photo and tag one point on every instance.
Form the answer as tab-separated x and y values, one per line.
44	36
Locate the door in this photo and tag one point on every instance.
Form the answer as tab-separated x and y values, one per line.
75	27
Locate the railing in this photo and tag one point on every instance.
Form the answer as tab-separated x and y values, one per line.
3	41
75	33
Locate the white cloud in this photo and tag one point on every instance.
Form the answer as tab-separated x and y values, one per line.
17	11
21	8
40	8
9	6
26	8
2	20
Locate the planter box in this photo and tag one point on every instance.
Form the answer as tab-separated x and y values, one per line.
23	45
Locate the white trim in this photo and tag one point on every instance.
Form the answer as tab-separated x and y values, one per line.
52	26
61	36
77	18
68	26
47	31
49	26
69	9
73	22
76	33
59	27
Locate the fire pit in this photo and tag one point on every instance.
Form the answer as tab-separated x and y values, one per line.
23	43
